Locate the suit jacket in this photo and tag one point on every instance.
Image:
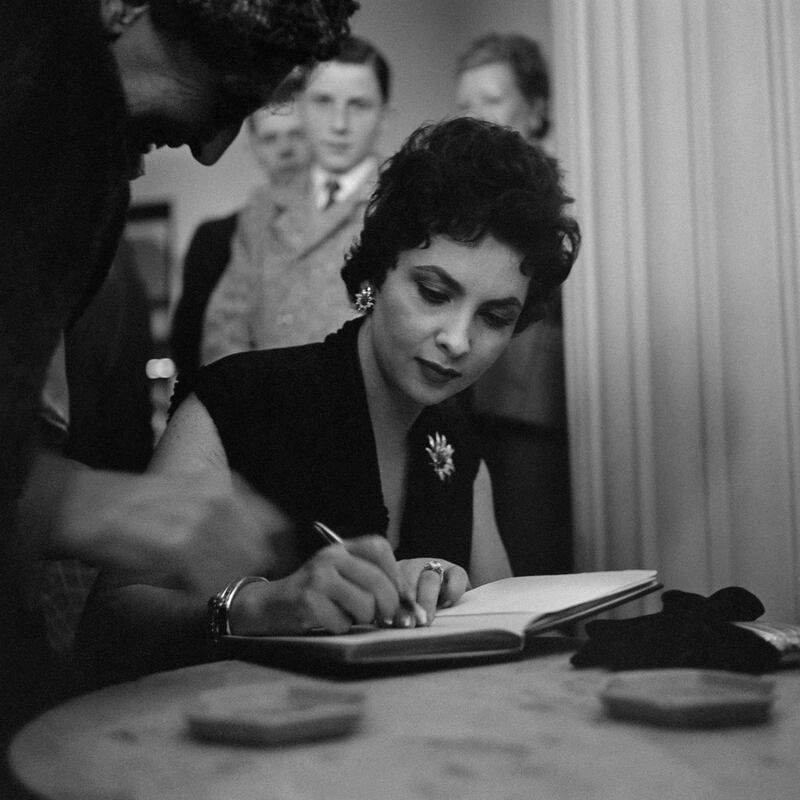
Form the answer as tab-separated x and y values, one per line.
283	286
110	409
208	254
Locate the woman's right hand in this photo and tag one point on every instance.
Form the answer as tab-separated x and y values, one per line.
341	585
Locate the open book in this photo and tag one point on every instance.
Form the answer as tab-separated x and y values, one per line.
492	619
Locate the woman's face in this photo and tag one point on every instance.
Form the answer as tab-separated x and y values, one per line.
490	92
442	317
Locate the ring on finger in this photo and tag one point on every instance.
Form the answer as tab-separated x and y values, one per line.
435	566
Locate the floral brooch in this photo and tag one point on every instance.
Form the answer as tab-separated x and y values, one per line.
441	455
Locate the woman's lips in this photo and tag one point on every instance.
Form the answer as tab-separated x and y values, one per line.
437	373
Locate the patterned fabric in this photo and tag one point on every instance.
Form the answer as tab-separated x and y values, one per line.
295	423
283	287
64	588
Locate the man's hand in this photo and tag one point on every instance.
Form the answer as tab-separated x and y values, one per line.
197	531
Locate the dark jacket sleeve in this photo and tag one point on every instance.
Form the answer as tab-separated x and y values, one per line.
206	259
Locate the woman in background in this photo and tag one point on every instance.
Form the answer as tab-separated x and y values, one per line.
464	240
519	407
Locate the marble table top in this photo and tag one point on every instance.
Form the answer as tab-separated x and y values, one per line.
532	727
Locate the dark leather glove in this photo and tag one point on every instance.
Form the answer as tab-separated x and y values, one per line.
690	631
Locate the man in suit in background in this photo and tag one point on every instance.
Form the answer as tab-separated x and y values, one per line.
278	142
282	286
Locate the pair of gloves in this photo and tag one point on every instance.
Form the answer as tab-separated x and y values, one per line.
691	631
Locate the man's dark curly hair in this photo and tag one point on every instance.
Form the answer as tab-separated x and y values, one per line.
257	37
465	178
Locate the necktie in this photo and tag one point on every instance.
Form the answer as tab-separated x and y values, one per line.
331	187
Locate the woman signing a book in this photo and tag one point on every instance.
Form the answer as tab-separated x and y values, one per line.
465	238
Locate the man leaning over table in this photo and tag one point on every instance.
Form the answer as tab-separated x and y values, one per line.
88	87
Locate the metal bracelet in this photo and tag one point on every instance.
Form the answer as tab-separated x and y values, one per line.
219	608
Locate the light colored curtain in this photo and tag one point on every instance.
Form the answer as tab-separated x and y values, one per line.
678	122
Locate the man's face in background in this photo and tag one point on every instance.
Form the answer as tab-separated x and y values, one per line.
278	141
343	111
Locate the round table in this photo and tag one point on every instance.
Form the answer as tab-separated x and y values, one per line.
528	728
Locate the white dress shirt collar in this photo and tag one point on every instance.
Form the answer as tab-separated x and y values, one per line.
348	181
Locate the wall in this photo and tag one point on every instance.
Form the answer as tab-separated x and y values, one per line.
421	39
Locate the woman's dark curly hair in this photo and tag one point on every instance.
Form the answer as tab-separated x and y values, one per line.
257	37
465	178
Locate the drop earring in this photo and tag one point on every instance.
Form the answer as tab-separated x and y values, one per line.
365	299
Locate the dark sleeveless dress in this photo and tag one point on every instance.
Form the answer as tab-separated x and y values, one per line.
295	423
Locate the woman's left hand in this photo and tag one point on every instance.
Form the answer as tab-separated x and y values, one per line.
434	588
